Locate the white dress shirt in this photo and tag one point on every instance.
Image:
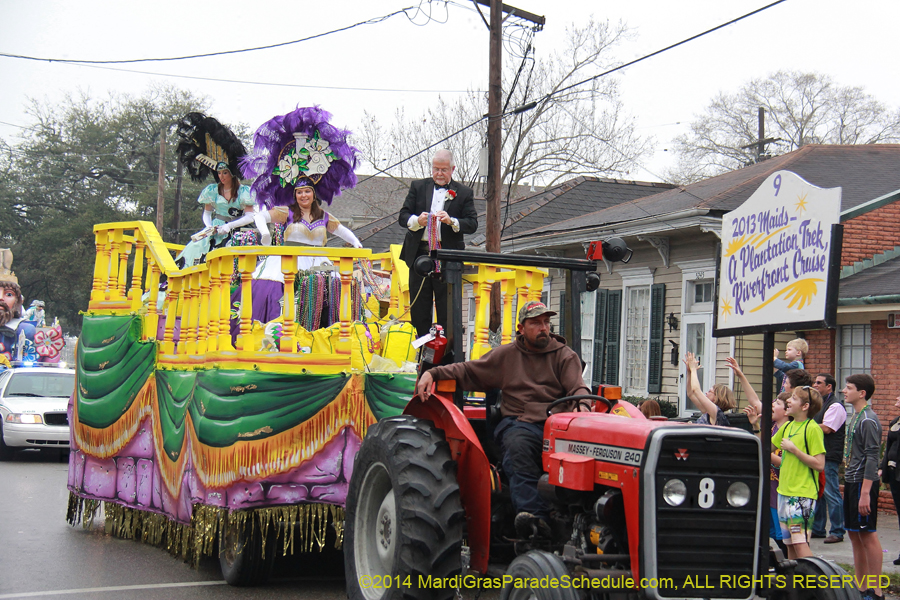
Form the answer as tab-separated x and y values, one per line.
438	199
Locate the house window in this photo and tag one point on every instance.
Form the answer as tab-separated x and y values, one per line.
700	296
855	351
637	339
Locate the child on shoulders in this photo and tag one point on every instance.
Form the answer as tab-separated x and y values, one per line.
794	354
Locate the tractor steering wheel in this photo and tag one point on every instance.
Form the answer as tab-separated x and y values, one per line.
555	403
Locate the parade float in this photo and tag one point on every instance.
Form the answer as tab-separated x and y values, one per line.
243	446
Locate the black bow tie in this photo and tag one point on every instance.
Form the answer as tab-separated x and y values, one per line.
442	187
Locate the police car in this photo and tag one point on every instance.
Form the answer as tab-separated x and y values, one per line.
33	408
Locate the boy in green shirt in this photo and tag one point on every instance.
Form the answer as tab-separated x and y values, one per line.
803	445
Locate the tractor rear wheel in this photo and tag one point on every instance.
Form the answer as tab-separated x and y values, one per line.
404	519
538	564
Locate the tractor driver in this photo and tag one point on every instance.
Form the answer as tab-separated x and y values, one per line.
533	371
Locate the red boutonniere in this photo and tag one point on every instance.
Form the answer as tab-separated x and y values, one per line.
451	194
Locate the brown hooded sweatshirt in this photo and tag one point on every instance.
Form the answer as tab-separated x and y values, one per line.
529	379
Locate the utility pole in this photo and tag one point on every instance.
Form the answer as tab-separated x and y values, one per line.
161	182
495	133
176	218
761	140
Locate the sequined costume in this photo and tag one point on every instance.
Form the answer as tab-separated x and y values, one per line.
223	211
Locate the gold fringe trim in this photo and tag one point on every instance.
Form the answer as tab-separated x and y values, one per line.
81	509
106	442
258	459
171	470
303	526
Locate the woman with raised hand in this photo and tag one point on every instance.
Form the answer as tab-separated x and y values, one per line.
714	402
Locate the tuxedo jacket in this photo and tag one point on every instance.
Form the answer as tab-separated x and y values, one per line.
418	200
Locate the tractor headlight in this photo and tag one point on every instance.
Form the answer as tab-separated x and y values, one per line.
674	492
738	494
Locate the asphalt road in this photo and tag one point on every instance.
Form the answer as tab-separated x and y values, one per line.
42	556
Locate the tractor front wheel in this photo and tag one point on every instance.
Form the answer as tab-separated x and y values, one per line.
537	564
404	519
822	572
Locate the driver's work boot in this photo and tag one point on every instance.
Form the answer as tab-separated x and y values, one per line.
528	525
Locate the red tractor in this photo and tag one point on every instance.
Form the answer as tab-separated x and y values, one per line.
642	507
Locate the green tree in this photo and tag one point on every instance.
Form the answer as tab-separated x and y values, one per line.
81	162
801	108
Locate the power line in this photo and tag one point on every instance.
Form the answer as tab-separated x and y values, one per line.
272	84
613	70
660	51
222	53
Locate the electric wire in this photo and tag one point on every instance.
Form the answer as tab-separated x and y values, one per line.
371	21
273	84
658	52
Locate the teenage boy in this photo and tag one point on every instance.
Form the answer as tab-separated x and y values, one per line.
802	443
794	353
861	484
831	419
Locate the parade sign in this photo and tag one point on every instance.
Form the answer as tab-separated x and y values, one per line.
779	261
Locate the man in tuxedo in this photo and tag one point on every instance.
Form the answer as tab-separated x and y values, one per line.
436	213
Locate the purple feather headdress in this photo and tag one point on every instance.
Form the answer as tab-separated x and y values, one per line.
292	148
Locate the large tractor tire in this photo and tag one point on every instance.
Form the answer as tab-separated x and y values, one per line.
404	519
243	558
536	565
817	567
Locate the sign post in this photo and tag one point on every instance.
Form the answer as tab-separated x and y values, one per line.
778	270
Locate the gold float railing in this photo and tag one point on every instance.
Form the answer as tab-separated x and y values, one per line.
192	324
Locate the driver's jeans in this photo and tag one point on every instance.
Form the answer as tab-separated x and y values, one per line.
521	445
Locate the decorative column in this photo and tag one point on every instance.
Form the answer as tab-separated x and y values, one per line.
215	306
136	292
246	265
289	270
171	310
346	314
101	267
226	268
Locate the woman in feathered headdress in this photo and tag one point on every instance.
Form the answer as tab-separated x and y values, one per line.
300	161
208	147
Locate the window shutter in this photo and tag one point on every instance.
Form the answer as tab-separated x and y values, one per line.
599	338
657	320
613	330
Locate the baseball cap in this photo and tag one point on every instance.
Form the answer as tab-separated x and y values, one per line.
533	309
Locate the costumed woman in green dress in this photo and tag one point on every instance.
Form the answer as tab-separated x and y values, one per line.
208	147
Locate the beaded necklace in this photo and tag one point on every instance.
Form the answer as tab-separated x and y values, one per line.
382	292
334	299
848	441
310	299
434	241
